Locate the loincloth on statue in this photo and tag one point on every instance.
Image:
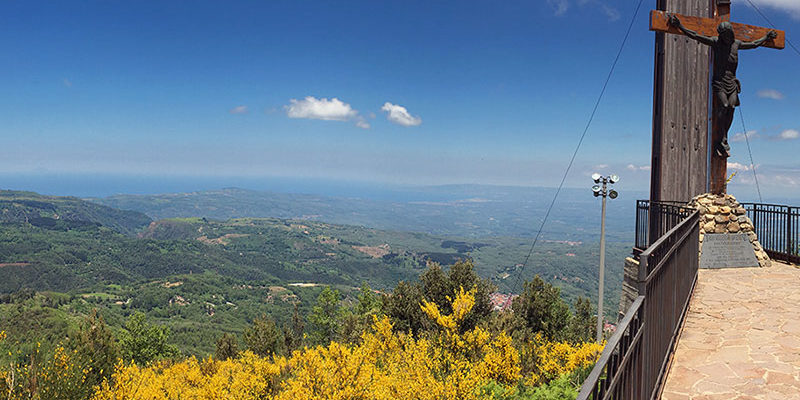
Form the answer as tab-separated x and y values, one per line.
728	86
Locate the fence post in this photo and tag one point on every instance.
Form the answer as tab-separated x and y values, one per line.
756	227
789	242
644	262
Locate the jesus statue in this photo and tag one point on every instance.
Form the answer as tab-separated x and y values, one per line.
726	87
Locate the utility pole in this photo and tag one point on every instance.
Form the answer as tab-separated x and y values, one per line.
603	191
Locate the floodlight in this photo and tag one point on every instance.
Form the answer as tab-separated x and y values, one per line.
613	179
613	194
596	188
596	177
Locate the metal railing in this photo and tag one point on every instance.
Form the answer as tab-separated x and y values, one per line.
778	229
655	218
634	361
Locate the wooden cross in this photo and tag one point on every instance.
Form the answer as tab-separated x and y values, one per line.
722	116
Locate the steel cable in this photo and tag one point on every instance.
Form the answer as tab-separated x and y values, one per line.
577	148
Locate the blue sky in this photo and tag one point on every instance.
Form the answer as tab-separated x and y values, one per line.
425	92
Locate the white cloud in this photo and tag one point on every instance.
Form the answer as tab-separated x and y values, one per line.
770	94
362	123
559	6
738	166
789	134
611	12
313	108
740	137
67	82
790	6
785	180
399	115
238	110
601	166
634	168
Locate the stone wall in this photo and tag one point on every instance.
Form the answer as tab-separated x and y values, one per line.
630	289
723	214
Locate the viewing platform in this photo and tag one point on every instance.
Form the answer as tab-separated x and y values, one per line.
741	337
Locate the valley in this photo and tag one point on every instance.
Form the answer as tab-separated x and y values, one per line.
63	257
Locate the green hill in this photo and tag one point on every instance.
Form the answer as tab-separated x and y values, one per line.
203	277
64	213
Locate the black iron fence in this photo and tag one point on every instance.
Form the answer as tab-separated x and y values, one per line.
656	218
634	360
778	229
777	226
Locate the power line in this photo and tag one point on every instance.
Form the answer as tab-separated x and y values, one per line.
752	164
580	142
773	26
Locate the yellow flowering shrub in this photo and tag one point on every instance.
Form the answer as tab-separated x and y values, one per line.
554	359
392	366
450	363
58	376
247	377
386	365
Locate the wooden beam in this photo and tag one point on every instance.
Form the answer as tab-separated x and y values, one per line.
680	111
722	10
659	22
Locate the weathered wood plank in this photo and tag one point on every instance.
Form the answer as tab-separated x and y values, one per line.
680	111
659	22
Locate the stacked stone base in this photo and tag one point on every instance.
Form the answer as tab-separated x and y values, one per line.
718	214
723	214
630	289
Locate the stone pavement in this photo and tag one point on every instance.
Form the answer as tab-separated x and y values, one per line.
741	339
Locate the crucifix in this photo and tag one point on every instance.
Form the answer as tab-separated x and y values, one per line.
724	39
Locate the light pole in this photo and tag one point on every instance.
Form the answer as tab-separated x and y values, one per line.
604	192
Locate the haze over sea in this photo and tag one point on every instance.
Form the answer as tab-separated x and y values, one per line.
102	185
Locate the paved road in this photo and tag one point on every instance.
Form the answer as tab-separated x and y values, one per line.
741	339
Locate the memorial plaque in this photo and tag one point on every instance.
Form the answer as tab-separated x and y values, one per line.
727	250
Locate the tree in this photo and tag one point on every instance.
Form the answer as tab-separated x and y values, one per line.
462	275
325	316
358	319
95	345
144	343
582	324
263	337
293	334
368	302
540	309
403	307
227	347
438	287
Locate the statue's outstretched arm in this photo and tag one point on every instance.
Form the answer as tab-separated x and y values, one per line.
758	42
706	40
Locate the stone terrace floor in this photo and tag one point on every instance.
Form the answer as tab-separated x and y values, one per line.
741	338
